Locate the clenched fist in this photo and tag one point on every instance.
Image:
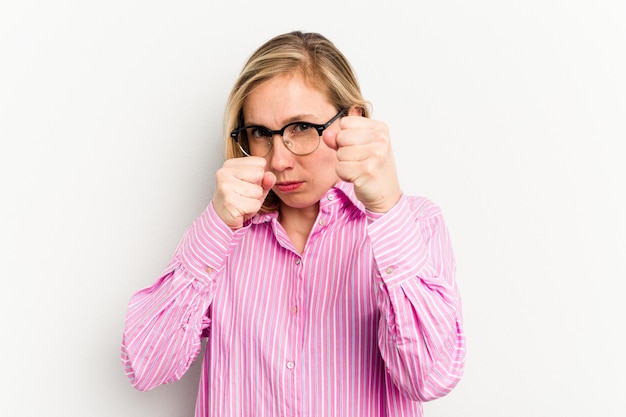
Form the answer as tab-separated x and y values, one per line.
241	187
365	159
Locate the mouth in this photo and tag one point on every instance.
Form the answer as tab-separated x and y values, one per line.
288	186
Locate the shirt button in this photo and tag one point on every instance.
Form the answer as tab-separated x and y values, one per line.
389	270
208	270
290	365
331	197
322	222
294	310
298	261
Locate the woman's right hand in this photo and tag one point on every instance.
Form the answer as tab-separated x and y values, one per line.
241	187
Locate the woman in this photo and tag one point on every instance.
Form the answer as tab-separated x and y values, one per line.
322	288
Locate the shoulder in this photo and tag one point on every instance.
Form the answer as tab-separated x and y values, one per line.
423	206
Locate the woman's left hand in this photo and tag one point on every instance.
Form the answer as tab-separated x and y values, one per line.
366	160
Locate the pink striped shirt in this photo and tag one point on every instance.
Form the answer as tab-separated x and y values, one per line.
365	322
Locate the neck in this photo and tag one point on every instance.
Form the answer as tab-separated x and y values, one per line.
298	223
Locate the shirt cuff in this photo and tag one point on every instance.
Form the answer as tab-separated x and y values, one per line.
206	245
399	248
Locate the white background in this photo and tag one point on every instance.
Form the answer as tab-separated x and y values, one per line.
509	114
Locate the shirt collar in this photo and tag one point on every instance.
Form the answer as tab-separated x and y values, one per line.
342	193
345	191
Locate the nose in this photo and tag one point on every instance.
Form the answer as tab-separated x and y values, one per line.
280	158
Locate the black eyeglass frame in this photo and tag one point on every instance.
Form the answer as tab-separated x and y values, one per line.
319	127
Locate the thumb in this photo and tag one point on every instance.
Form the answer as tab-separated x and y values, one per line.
330	138
268	181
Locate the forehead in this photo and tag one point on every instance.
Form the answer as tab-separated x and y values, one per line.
283	97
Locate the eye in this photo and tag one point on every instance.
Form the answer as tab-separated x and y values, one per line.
259	133
300	128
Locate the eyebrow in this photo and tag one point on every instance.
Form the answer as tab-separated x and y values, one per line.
297	118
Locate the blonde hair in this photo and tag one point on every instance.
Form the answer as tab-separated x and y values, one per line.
311	54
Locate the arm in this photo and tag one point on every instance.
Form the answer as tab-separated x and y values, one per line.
420	333
164	322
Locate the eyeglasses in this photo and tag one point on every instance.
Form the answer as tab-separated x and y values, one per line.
301	138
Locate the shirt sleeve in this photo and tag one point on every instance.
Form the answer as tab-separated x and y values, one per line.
420	334
165	321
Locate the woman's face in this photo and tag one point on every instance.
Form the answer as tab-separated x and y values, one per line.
301	181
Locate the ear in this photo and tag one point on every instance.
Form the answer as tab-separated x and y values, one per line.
356	111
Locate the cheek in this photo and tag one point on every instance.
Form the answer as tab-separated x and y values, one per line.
326	155
324	169
326	163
